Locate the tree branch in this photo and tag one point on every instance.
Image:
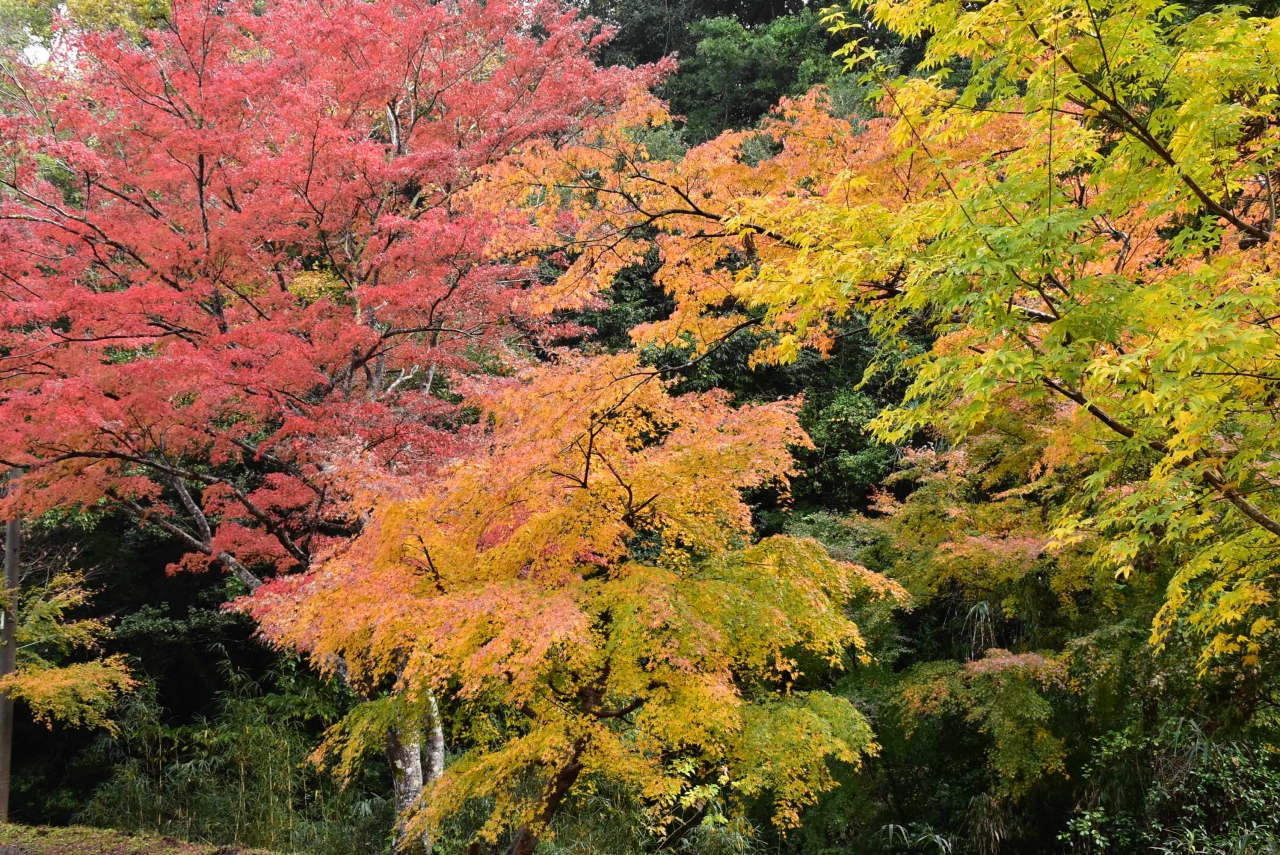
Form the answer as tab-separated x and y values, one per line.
1211	477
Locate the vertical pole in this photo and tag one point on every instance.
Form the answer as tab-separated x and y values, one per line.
8	654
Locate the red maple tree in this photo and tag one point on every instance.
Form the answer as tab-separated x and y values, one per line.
241	249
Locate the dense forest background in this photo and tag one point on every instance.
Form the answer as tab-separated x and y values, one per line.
1090	737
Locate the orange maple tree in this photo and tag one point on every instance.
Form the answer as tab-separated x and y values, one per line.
589	601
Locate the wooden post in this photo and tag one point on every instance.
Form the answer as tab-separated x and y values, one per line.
8	653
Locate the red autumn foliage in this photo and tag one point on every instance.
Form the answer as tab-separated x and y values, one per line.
241	250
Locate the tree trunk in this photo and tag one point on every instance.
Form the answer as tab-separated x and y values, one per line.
8	654
434	758
435	744
526	839
404	752
417	762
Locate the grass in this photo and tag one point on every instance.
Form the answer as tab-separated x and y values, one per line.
44	840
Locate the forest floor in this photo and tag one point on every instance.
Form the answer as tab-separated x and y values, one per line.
41	840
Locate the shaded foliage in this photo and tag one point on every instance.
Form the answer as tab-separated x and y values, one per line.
240	776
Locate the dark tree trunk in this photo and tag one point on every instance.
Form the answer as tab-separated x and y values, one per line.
526	839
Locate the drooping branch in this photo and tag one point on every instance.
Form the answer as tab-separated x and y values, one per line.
270	523
205	547
1211	476
1123	120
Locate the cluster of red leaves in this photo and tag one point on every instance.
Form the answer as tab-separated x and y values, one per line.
244	247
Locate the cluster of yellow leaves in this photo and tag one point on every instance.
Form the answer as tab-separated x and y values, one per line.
586	595
597	206
26	21
79	693
1116	254
314	285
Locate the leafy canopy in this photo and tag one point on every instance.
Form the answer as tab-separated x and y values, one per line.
1075	199
588	596
53	677
236	253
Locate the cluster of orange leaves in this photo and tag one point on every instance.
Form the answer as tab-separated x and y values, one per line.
597	206
585	592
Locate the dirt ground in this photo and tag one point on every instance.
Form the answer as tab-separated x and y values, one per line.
27	840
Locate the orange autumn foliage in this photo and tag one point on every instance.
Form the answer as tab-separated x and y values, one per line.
721	216
587	598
